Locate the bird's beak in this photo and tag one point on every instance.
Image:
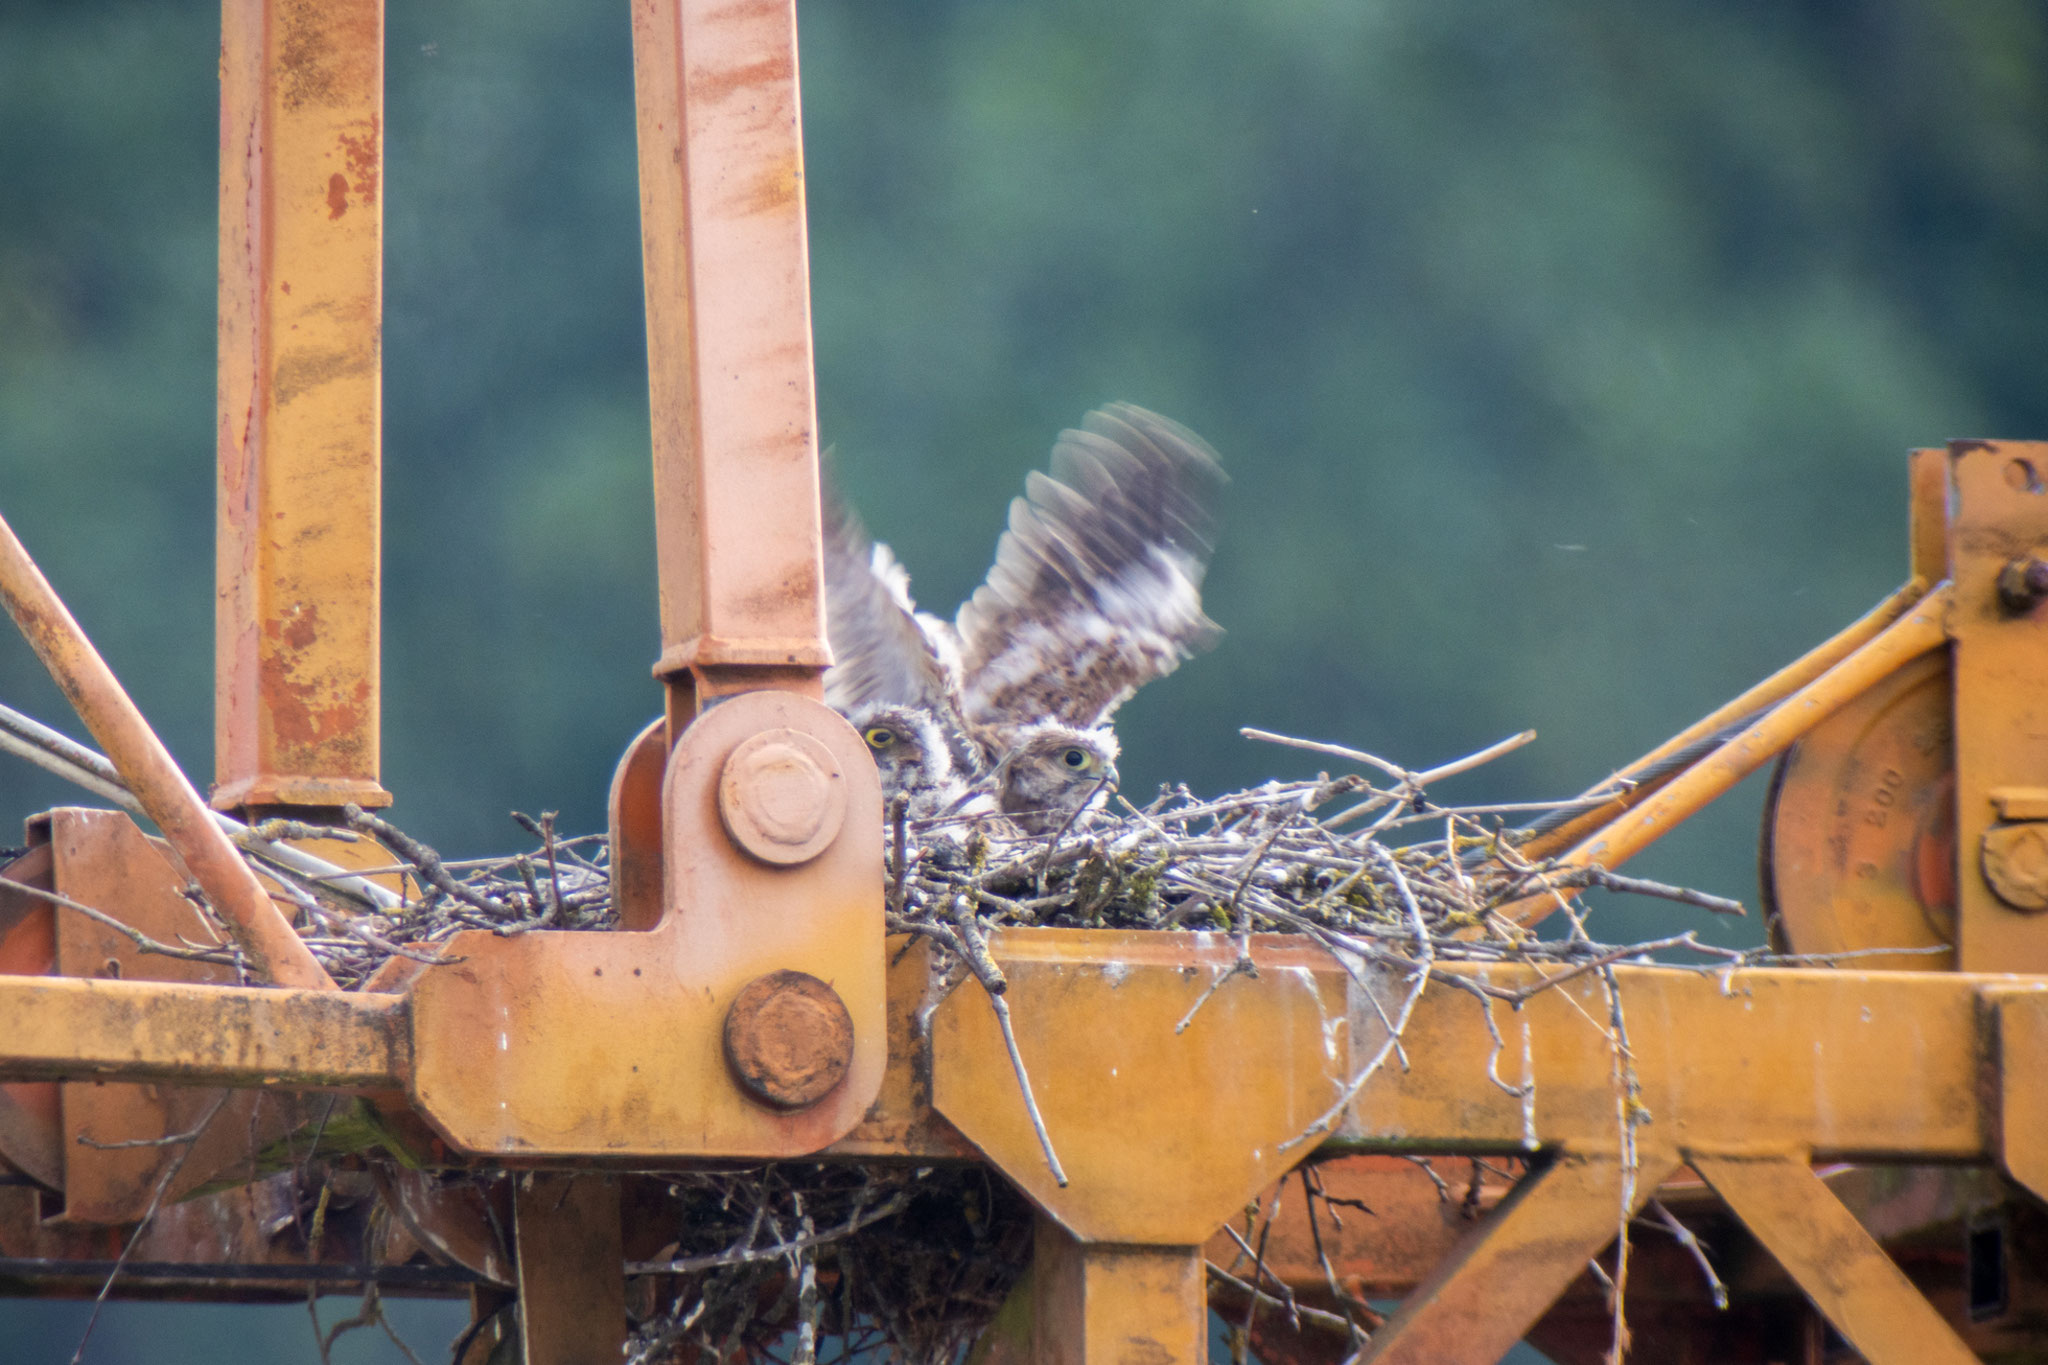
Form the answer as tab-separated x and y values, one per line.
1110	779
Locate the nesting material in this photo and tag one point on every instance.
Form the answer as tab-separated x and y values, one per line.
802	1261
791	1260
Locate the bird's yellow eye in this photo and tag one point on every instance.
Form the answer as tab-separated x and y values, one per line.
1075	758
879	737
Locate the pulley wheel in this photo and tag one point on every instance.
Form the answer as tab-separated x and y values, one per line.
1858	850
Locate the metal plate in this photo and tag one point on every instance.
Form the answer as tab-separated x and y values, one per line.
31	1127
1859	830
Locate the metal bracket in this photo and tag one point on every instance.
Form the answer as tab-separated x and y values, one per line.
1999	524
602	1044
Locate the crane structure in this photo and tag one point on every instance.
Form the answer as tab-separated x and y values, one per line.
1864	1144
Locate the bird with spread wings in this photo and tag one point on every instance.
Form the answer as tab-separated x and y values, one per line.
1096	590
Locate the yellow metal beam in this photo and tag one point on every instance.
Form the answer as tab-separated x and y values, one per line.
572	1294
1168	1084
2022	1056
2000	523
1091	1302
1871	1066
1839	1265
70	1028
300	402
1854	1065
1921	629
1484	1297
729	349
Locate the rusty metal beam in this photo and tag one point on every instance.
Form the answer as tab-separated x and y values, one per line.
1484	1296
301	306
1839	1265
572	1280
1770	691
1881	1066
2000	528
67	1028
1093	1303
729	349
1921	629
275	953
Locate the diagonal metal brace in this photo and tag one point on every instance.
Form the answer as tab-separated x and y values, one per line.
1839	1265
1487	1293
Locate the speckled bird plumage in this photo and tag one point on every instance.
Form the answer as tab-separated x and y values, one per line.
1050	772
1095	591
914	760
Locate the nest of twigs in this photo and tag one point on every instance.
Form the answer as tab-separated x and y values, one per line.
794	1261
790	1259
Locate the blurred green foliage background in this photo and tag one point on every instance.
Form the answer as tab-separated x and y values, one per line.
1565	354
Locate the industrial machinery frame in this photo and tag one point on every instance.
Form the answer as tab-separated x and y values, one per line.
747	840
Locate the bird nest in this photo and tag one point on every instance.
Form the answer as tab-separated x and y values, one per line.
798	1261
790	1259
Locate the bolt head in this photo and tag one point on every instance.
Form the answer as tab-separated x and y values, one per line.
2015	862
781	797
788	1039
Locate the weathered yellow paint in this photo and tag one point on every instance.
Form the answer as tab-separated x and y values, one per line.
300	399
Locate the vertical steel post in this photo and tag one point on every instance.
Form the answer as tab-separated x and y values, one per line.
1999	532
1099	1302
572	1286
729	350
301	236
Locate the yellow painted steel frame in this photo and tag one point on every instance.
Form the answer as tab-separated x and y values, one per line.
1163	1134
300	403
1172	1086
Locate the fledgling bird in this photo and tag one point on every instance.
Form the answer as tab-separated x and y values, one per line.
1052	772
914	760
1095	591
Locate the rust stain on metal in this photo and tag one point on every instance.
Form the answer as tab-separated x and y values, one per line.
788	1039
337	195
326	51
710	86
363	153
775	189
299	722
303	368
786	598
299	628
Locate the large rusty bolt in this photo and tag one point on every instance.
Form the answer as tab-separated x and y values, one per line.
2015	861
788	1039
781	797
2022	583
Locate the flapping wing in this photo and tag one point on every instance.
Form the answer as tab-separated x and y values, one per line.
883	655
1097	584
